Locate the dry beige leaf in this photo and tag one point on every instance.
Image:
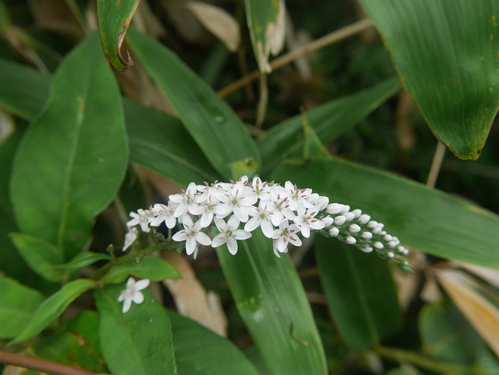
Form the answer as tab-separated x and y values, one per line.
297	40
488	274
146	21
482	314
57	15
430	291
407	284
191	298
216	20
276	32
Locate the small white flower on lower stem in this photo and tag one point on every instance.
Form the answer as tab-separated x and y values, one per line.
285	234
191	234
164	214
229	233
130	237
132	293
141	218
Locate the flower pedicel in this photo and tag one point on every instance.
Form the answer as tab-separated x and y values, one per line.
281	213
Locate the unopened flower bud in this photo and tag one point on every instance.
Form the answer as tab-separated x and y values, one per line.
387	238
339	220
334	208
390	254
372	224
354	228
366	249
366	235
364	218
350	240
357	213
376	230
345	208
327	221
378	245
333	232
349	216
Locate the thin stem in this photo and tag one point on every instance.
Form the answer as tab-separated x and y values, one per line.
39	364
435	165
399	355
315	45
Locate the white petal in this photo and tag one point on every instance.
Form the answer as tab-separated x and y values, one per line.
126	305
305	231
206	219
138	297
219	240
241	234
295	240
267	228
232	245
221	225
252	224
180	236
202	238
130	282
233	223
142	284
190	245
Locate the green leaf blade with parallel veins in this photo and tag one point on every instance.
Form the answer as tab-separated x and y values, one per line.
360	292
211	122
78	144
114	17
424	219
270	298
447	56
138	342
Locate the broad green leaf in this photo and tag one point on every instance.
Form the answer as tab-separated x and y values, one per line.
78	144
114	17
270	298
4	19
70	350
199	351
83	260
161	143
157	140
447	335
54	306
23	90
312	145
211	122
330	120
40	255
360	292
138	342
424	219
86	325
17	304
267	29
404	370
149	267
447	57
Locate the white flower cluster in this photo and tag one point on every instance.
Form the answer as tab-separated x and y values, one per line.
281	212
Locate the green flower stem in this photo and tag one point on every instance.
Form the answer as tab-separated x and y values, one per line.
400	355
148	250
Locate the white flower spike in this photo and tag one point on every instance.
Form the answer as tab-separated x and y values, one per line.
265	205
132	293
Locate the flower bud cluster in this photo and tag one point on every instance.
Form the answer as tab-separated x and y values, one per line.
281	212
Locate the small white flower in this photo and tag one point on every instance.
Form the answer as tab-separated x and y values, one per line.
191	234
164	214
241	200
132	293
130	237
185	200
306	221
262	220
286	234
229	233
142	218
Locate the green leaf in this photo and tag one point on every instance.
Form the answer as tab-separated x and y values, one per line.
70	350
199	351
149	267
23	90
447	335
86	325
83	260
211	122
161	143
78	144
138	342
114	17
54	306
447	57
360	292
17	304
5	23
270	298
267	29
330	120
424	219
40	255
313	147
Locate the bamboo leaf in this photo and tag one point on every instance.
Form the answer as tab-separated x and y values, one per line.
114	17
211	122
424	219
447	59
